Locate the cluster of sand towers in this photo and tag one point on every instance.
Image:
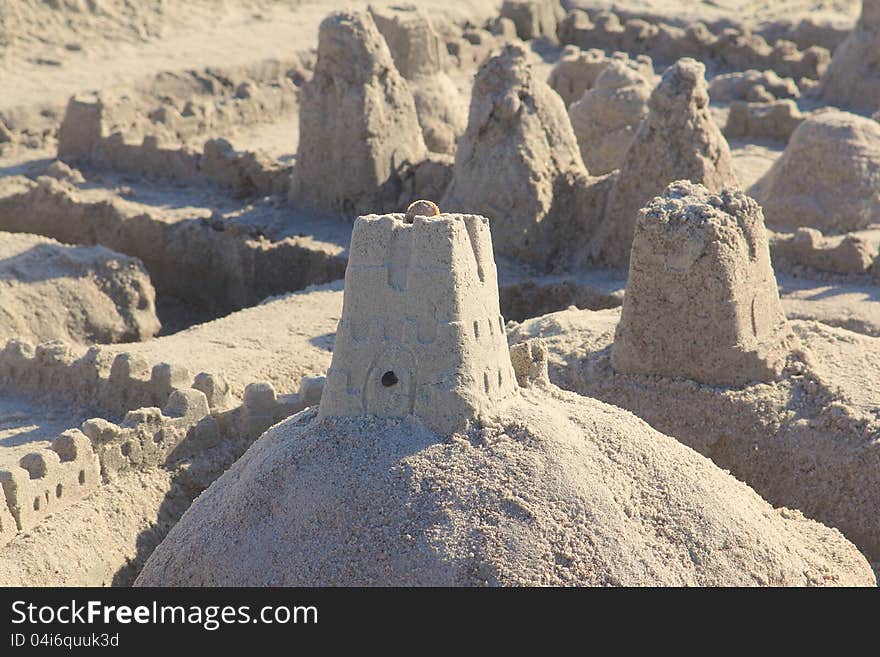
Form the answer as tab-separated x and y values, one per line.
518	130
463	449
455	449
578	175
690	436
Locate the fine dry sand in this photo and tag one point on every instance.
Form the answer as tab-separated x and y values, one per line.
635	342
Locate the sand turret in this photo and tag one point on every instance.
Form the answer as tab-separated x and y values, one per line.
420	55
701	301
358	122
518	162
852	80
677	141
421	332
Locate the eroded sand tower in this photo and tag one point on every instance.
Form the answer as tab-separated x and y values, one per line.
701	301
678	140
519	132
358	122
421	332
853	76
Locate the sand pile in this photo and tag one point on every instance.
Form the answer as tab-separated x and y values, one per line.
358	124
606	118
448	477
853	76
752	86
807	440
76	294
518	132
701	301
827	178
560	489
677	141
576	70
534	19
420	55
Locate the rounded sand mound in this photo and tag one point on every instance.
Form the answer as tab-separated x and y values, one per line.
79	294
827	178
563	490
606	118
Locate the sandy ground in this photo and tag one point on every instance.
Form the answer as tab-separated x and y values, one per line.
25	424
238	33
230	269
837	12
279	341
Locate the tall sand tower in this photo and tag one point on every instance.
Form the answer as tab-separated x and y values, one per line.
421	332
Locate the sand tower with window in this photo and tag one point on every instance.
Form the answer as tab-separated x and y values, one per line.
421	332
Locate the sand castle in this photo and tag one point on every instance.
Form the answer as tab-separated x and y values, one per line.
606	118
518	131
107	132
701	301
421	332
235	178
358	116
841	149
726	47
677	141
436	477
420	55
47	480
852	80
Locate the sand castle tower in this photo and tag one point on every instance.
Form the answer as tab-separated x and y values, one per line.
606	118
852	79
358	122
677	141
421	332
420	55
518	163
701	301
350	495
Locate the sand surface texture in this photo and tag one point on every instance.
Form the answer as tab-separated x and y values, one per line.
498	292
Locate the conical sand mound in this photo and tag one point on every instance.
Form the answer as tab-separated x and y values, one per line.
518	162
358	122
677	141
852	79
563	490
